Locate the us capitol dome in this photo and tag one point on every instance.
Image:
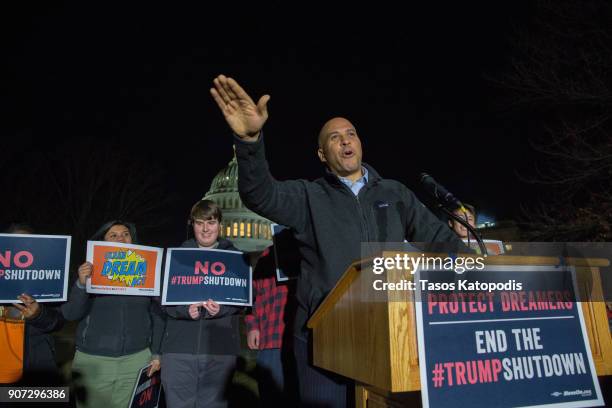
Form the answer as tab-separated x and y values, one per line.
248	231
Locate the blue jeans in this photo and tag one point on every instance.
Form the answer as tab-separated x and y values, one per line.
276	378
270	375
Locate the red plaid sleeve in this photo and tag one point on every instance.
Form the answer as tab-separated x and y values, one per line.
268	311
252	319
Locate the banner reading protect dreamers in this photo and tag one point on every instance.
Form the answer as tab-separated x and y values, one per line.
522	346
124	269
34	264
196	275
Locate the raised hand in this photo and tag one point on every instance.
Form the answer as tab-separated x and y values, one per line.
244	117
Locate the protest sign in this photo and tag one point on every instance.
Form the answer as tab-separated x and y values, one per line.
147	390
124	269
286	254
505	336
34	264
196	275
494	247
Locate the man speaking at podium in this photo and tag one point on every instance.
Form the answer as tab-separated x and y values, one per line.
330	217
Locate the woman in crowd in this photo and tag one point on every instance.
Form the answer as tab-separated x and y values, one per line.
202	340
35	323
116	336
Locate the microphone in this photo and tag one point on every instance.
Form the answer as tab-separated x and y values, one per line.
439	192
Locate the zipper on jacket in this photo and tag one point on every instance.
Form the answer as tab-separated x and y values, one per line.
363	219
85	329
364	223
199	333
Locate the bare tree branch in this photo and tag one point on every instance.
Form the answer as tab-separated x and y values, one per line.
561	73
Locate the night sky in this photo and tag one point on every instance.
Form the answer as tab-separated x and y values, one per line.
415	81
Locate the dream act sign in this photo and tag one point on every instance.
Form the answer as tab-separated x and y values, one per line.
513	347
124	269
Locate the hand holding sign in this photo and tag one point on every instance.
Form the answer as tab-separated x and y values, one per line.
194	311
85	271
30	308
212	307
155	366
147	388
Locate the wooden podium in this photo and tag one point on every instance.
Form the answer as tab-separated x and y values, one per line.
370	336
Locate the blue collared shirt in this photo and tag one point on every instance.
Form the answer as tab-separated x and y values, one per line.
357	184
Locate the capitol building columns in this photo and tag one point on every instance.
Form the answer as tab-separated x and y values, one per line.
248	231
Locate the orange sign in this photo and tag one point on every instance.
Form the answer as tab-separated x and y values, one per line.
124	269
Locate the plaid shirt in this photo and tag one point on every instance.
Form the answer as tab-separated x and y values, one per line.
268	311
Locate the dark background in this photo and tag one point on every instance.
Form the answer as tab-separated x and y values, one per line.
105	108
416	80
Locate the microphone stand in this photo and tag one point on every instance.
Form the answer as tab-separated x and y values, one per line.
472	230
